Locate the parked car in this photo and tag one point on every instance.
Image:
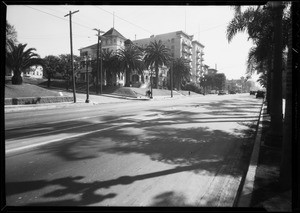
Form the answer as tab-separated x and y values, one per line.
232	92
252	92
260	94
222	92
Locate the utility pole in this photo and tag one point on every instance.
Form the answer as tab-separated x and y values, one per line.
71	44
101	66
97	76
87	79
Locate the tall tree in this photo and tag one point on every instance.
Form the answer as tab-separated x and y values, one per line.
11	35
260	26
130	59
64	63
181	72
111	66
51	67
156	55
18	59
220	80
286	160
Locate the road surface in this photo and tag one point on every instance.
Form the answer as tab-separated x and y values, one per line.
190	151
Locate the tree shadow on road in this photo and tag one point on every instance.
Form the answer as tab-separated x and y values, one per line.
167	137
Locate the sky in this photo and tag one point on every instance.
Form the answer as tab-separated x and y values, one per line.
46	28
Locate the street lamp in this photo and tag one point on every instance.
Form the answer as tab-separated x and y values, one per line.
171	76
204	84
87	59
97	76
151	80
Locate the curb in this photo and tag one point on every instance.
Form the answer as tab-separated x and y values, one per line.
37	100
244	196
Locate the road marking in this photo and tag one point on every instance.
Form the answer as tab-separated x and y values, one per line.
60	130
55	140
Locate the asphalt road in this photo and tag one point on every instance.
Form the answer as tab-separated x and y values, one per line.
190	151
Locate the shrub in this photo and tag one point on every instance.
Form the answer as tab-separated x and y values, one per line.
191	86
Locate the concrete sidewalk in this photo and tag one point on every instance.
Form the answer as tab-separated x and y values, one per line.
260	187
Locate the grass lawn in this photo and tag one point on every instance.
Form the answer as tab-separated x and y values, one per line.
27	90
38	88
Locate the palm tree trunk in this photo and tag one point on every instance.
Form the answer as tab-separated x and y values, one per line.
17	78
286	159
269	86
156	76
127	77
274	137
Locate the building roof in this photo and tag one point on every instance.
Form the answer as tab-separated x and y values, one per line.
111	32
114	32
93	46
185	34
195	41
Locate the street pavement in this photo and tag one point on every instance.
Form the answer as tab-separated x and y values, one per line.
189	151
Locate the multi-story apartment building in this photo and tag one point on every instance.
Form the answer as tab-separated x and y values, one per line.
181	45
197	63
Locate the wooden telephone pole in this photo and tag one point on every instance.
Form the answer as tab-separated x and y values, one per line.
72	62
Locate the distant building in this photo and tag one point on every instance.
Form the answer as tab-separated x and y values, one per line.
180	45
34	72
111	40
211	71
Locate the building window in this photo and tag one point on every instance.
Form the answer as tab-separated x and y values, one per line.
172	40
115	41
172	47
172	54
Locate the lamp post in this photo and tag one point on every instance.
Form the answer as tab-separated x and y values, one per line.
87	79
204	84
171	76
151	80
97	75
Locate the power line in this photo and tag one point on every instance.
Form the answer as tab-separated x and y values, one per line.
124	19
57	17
46	13
211	28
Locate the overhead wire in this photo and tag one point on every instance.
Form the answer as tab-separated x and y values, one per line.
58	17
124	19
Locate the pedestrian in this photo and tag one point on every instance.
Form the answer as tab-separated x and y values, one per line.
189	93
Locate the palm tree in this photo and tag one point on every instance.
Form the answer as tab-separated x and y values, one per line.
110	65
286	160
263	80
11	35
156	55
130	59
260	26
181	72
18	60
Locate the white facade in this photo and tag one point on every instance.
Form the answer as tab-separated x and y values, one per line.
180	45
34	72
